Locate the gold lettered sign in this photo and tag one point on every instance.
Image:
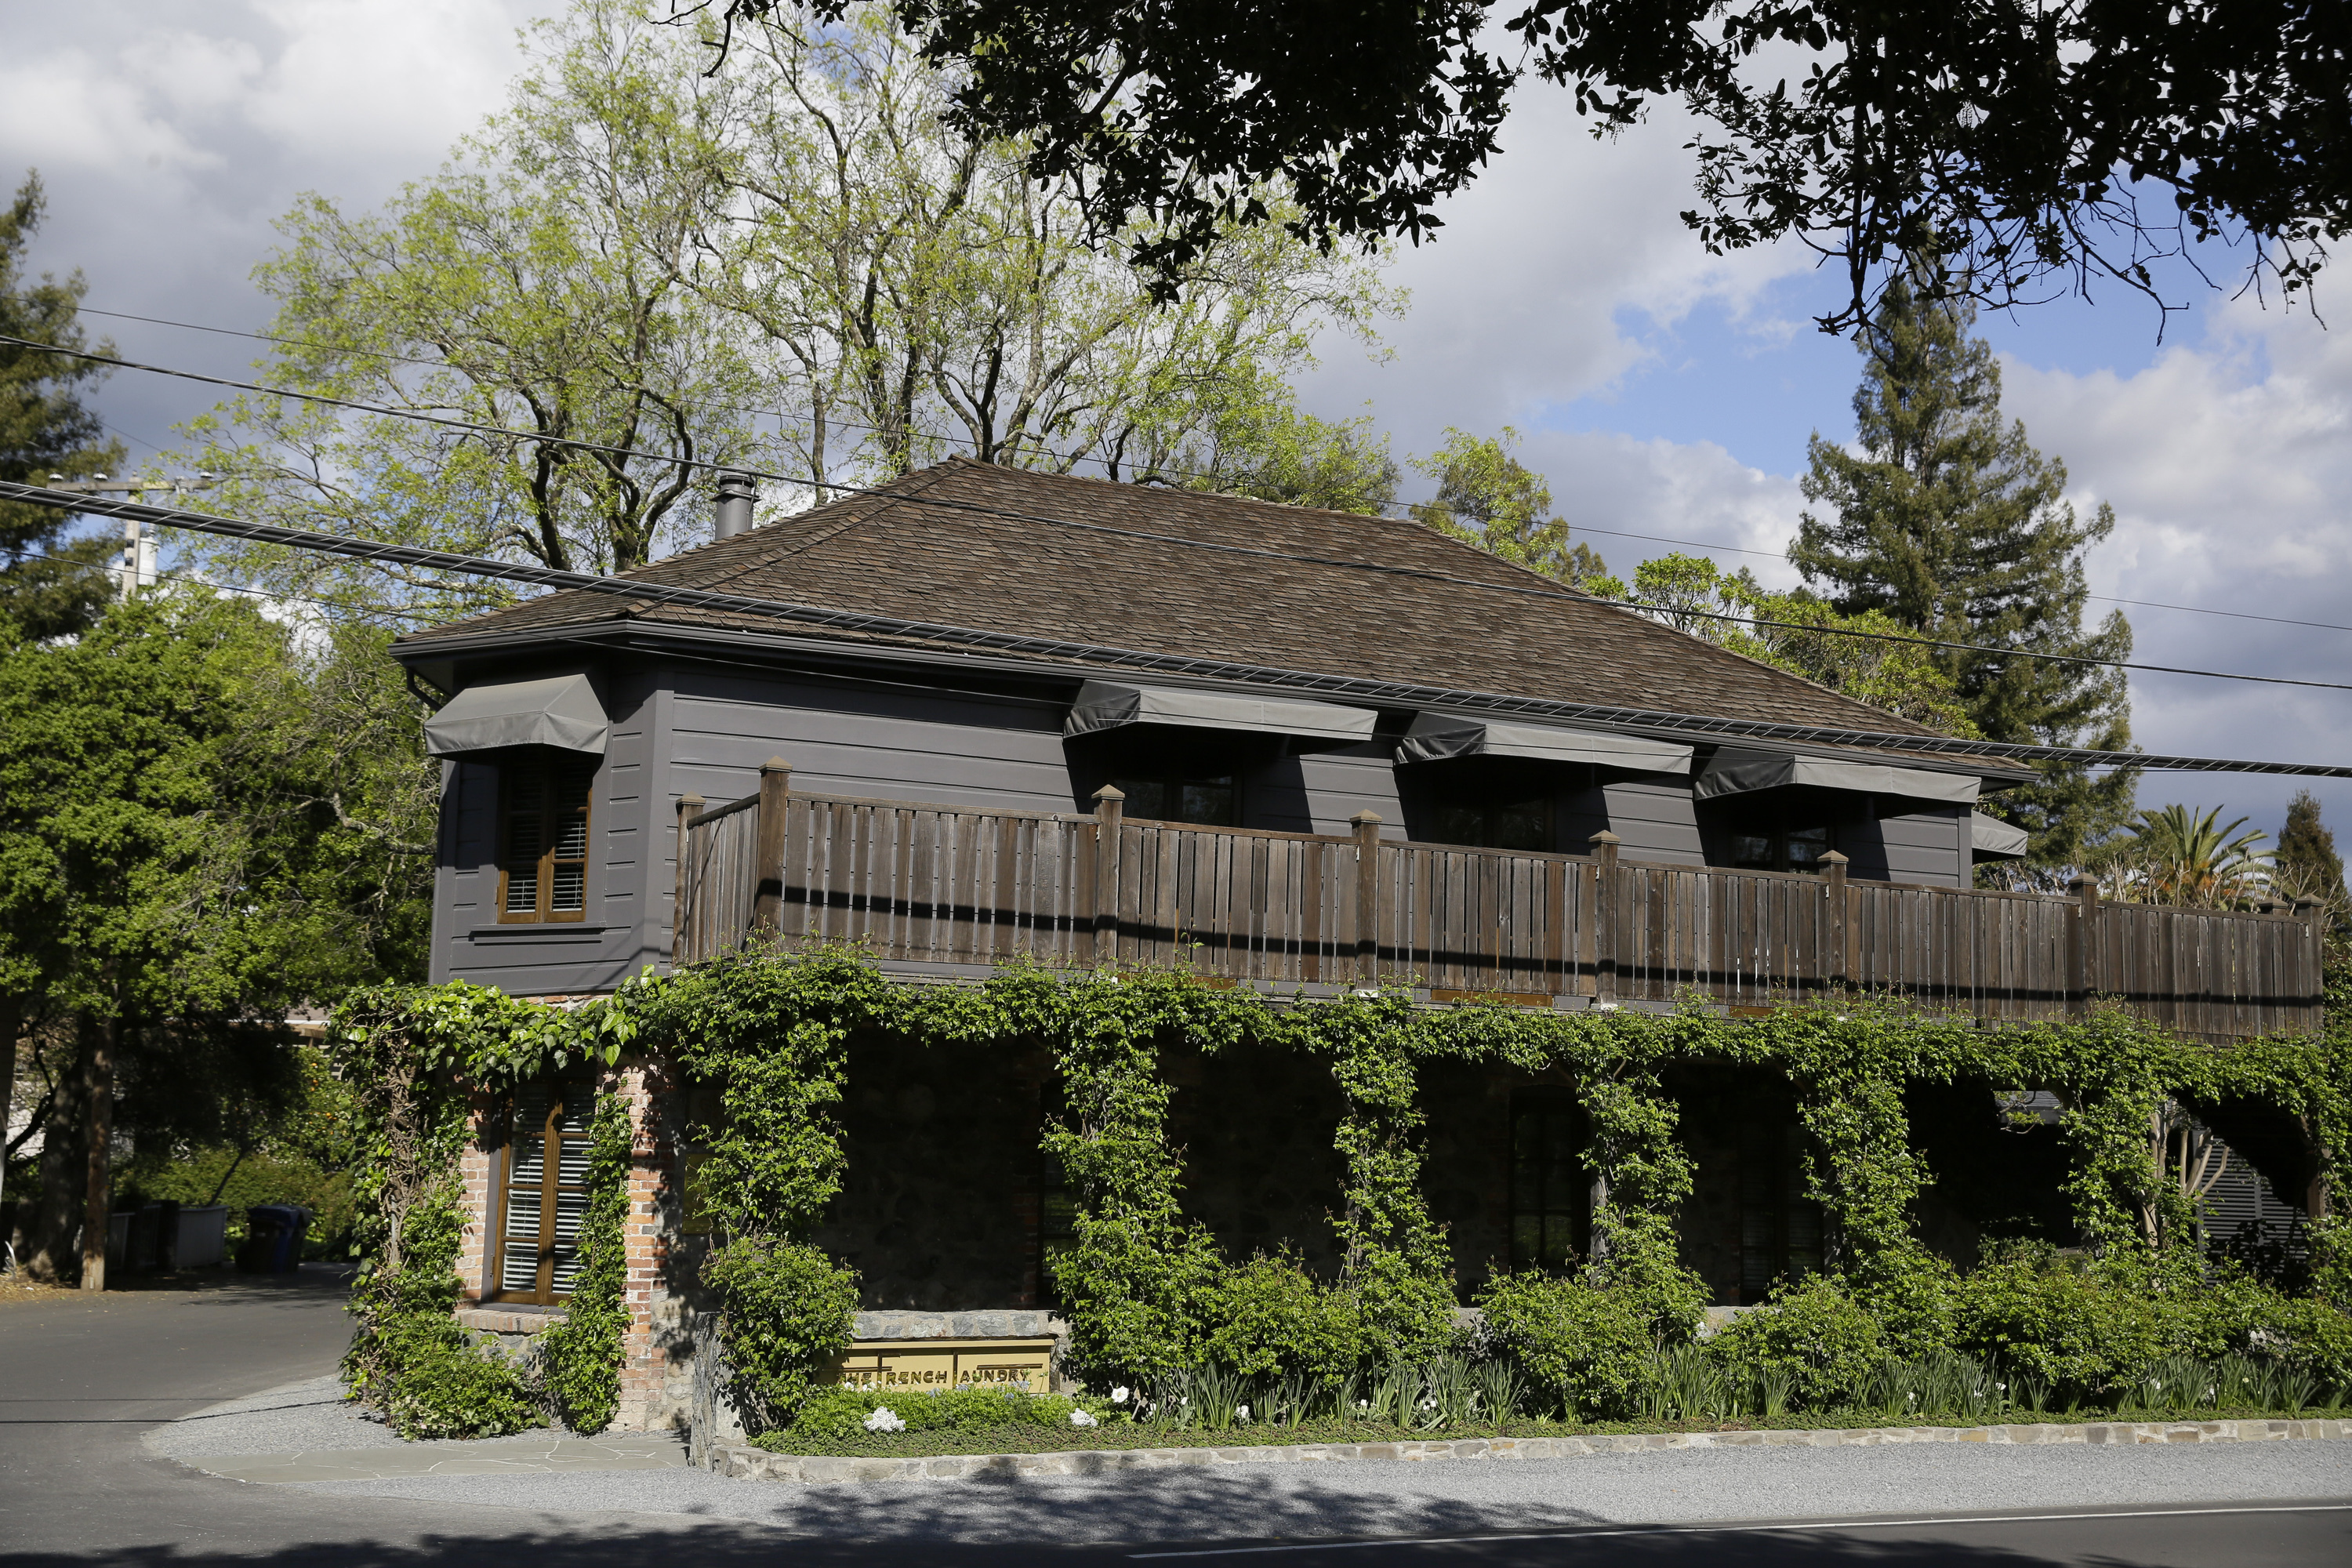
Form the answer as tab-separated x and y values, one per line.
924	1365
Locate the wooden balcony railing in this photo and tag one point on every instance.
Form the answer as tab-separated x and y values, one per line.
919	883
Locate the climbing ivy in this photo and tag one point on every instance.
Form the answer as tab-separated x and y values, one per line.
1142	1280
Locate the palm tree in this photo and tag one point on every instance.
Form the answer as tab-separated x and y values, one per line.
2178	856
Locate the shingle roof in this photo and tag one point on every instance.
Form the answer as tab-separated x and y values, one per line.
1006	550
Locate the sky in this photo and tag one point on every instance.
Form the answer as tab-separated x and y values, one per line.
1662	392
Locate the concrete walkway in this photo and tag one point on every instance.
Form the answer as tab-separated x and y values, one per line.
543	1454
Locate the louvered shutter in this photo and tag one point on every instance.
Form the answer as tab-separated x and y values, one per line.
543	1194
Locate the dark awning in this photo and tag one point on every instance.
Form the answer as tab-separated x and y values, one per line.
560	710
1992	839
1435	737
1736	772
1109	705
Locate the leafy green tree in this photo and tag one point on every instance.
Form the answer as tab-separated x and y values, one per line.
926	295
2306	864
1489	498
49	585
1949	522
1861	130
1274	453
200	825
542	281
1884	668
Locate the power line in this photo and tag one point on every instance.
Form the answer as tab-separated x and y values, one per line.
219	587
1390	693
1187	473
471	426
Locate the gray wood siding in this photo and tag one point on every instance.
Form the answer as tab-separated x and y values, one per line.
1320	792
558	958
1654	817
1928	845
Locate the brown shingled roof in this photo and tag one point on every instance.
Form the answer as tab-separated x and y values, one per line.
994	549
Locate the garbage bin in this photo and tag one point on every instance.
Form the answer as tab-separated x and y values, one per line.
273	1238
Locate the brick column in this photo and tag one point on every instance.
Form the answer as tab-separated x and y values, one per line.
653	1375
475	1168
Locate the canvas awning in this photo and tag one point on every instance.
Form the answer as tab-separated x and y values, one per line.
1736	772
1434	737
560	710
1109	705
1992	839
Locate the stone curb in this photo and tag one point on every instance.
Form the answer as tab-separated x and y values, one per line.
744	1462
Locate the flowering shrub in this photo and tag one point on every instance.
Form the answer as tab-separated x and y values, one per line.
834	1413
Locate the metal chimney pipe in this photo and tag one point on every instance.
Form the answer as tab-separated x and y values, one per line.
736	493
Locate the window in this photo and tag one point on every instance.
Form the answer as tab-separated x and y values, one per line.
1522	824
1752	847
543	1194
1211	802
544	843
1779	1226
1552	1194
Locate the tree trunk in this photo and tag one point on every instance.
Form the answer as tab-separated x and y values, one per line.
99	1203
53	1232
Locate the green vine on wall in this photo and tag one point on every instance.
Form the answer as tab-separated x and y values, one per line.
1146	1285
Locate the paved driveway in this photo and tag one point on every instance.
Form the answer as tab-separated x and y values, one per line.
84	1380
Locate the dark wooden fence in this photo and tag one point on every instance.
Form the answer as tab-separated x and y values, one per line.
920	883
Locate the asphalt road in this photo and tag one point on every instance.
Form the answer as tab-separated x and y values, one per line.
81	1380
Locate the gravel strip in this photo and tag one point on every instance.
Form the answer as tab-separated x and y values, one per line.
1386	1499
300	1416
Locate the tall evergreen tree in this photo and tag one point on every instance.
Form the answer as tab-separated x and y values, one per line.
1948	521
2306	863
49	586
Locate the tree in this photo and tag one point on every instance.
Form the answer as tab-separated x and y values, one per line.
1882	665
2018	138
1949	524
545	280
1272	452
50	585
2306	864
1486	497
2180	856
794	265
199	825
927	296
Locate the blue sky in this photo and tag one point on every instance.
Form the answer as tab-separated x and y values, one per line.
1660	391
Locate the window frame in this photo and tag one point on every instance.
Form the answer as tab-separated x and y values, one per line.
1173	782
552	1136
546	775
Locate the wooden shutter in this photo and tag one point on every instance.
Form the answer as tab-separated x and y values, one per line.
543	1194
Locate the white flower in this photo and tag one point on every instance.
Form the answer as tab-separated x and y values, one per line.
1605	1007
1118	1395
1243	1411
1080	1418
1363	1404
884	1420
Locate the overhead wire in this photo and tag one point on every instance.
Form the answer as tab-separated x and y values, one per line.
1071	652
221	588
1407	507
471	426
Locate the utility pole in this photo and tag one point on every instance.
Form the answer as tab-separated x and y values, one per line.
135	568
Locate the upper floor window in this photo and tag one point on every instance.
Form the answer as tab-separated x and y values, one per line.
1778	848
1519	825
1208	800
543	841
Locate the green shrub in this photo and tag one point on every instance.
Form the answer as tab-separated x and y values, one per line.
836	1414
1269	1317
1590	1346
2086	1332
785	1309
452	1385
1816	1334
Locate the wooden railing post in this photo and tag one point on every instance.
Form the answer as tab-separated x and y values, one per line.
1110	807
1604	915
2082	943
681	913
1835	971
1367	824
775	799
